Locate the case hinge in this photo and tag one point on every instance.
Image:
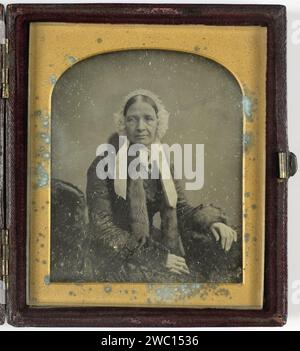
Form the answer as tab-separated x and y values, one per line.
4	254
287	162
4	70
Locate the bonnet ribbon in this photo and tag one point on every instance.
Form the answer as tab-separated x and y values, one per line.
120	176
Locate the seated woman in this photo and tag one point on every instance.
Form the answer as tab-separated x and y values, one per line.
124	243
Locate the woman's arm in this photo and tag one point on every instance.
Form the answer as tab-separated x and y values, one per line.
204	219
200	217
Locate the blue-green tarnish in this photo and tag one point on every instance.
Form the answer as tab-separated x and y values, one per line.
71	59
53	79
46	124
247	141
248	107
45	137
43	116
46	155
175	292
42	176
108	289
180	292
47	279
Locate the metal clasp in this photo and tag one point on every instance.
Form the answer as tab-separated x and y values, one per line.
287	165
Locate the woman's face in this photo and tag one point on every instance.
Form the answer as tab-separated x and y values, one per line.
141	123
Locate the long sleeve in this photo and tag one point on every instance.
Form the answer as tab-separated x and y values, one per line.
200	217
118	244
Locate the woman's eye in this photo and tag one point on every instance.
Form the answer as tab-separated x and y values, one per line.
130	119
149	118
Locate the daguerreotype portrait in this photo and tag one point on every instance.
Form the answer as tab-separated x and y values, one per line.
146	177
128	215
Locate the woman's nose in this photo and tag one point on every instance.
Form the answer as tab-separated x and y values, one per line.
141	125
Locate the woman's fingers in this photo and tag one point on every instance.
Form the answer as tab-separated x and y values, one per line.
228	236
180	263
174	270
225	233
229	239
223	241
182	267
179	270
215	234
177	264
235	236
179	259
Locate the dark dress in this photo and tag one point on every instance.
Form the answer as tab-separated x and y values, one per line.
114	251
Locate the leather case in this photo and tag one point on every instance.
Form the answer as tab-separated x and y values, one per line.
280	163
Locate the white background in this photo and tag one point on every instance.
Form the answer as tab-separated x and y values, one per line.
293	59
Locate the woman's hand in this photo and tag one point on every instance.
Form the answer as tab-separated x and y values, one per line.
225	233
177	264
